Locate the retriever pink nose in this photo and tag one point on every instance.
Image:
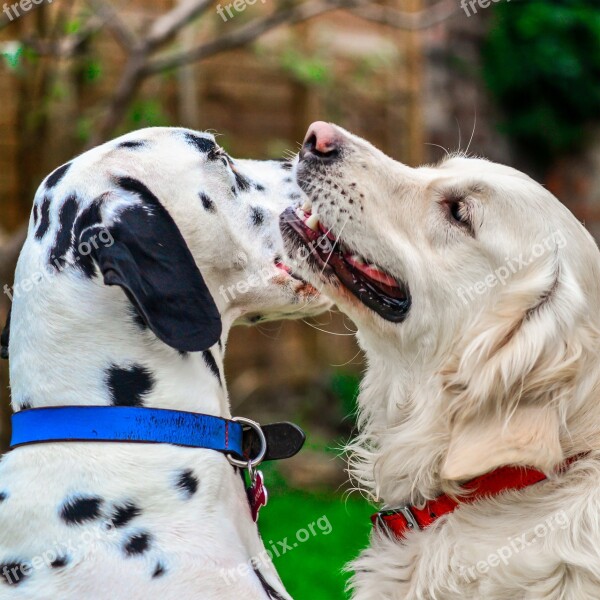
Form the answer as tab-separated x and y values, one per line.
322	141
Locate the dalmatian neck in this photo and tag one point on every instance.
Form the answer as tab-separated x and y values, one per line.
124	364
98	351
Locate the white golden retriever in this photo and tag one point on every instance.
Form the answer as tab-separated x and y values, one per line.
477	298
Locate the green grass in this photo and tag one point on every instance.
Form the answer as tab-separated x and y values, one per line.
313	568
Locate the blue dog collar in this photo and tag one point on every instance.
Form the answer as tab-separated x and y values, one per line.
128	424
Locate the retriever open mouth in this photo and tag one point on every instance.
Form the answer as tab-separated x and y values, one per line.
375	288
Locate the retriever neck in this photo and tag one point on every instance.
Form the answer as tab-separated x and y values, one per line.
412	446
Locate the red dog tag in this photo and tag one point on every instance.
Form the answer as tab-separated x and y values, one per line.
257	495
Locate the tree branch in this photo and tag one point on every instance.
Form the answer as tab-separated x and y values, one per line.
4	21
436	14
66	47
141	66
124	36
132	77
165	27
249	32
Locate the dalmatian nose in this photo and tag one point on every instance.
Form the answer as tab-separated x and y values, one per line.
322	141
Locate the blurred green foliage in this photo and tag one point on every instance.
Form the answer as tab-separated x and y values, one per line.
312	70
345	386
72	26
313	569
12	54
146	113
541	61
91	70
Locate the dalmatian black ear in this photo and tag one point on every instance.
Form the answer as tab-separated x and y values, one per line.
5	337
146	255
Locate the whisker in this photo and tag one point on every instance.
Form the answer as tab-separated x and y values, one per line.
473	132
347	362
438	146
325	331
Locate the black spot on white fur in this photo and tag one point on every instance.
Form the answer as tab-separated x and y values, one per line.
207	203
44	219
14	572
259	187
122	515
204	145
54	178
243	183
137	544
3	496
188	482
269	589
64	236
288	166
132	145
129	386
89	217
36	214
138	319
60	561
159	570
257	216
210	361
77	511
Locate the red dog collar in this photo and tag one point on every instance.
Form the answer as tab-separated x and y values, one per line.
410	518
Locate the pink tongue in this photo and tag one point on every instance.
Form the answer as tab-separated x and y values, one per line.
371	272
283	267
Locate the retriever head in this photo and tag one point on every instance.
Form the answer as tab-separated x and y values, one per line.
477	296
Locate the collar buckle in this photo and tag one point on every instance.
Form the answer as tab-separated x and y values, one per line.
411	522
251	463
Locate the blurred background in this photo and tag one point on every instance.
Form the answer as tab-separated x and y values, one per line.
516	81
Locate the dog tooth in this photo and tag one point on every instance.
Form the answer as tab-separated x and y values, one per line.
300	213
307	206
313	222
358	259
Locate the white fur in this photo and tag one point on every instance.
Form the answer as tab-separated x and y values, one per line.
68	329
510	376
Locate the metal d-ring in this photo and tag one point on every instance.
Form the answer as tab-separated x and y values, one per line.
253	462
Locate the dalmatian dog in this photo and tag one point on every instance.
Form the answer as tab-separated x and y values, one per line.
141	254
476	295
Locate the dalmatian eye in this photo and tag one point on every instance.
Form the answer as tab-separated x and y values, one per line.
226	159
217	153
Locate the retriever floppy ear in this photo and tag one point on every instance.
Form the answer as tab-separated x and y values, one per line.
508	379
529	438
144	253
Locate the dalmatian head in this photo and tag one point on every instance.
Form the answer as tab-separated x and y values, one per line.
158	234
